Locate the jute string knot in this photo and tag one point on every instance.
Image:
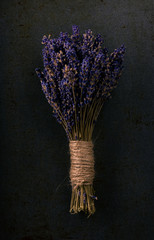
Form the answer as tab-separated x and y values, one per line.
82	163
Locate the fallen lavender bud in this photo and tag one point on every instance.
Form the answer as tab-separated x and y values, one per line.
93	197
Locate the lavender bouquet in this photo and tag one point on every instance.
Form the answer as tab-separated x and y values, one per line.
78	77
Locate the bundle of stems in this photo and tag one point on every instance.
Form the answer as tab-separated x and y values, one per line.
78	77
83	196
83	129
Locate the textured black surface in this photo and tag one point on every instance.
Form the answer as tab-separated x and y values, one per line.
34	148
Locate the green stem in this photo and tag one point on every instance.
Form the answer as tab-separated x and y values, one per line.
83	123
92	113
75	112
99	107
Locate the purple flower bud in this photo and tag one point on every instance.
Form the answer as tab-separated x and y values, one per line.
78	62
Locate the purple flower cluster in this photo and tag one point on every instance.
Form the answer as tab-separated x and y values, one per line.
77	69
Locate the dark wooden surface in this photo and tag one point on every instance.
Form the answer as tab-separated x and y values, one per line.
34	148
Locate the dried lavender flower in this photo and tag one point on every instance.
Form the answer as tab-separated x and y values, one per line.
78	73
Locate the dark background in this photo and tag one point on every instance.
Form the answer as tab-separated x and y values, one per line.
34	168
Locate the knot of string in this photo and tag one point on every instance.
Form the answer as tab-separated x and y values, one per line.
82	163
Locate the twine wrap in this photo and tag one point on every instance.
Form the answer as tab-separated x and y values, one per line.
82	163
